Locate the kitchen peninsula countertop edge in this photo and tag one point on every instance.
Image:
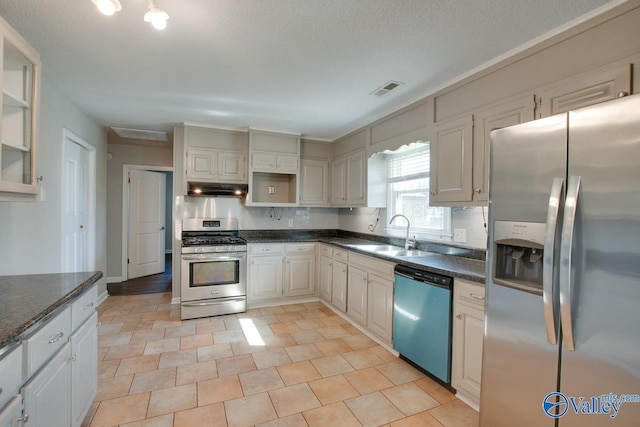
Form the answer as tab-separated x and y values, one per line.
27	300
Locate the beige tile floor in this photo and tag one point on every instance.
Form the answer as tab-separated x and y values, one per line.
314	369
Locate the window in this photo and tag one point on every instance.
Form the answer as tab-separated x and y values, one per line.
408	192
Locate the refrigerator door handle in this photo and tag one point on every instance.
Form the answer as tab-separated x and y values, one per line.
568	226
548	285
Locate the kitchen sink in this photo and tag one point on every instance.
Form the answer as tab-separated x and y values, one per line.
404	253
377	248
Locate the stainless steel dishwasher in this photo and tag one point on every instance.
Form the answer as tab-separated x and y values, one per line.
422	320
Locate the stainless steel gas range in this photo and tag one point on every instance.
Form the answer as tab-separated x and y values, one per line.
214	268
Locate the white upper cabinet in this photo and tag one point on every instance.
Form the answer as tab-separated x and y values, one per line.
216	165
349	180
451	157
506	114
20	82
314	175
274	169
215	155
460	151
586	89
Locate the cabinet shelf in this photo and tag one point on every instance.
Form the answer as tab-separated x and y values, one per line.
13	147
9	99
20	82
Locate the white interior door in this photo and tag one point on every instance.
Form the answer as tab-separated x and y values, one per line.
146	223
76	207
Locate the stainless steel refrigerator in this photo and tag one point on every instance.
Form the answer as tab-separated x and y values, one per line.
562	332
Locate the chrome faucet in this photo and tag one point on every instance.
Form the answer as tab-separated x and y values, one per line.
408	243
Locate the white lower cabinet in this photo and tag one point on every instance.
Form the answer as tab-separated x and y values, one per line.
11	415
46	395
84	369
326	277
339	285
361	286
468	335
380	307
357	294
61	379
300	274
265	277
279	270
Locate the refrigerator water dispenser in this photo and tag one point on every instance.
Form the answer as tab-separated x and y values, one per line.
519	251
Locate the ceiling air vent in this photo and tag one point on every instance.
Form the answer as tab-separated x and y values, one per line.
148	135
387	87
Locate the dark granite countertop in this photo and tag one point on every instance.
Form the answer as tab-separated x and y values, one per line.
449	265
463	263
27	300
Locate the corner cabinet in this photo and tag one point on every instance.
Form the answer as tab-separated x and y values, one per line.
468	336
273	169
314	185
20	80
278	271
349	180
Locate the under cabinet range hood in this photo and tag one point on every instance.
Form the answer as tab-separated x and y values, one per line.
215	189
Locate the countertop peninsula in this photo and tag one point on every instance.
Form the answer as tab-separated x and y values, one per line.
26	300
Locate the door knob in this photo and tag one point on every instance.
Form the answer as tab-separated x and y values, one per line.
161	228
81	226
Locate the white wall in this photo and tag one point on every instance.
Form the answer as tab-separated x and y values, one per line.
31	241
471	219
153	154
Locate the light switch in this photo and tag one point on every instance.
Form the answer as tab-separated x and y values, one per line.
272	189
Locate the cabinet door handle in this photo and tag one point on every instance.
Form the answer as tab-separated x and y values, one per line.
87	306
458	316
433	193
478	190
56	337
24	418
478	297
72	358
266	249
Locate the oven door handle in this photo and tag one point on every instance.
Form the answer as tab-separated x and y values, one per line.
213	302
214	257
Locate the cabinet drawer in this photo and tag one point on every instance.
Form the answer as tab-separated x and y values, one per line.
373	265
300	248
341	254
257	249
44	343
10	375
468	293
83	307
326	250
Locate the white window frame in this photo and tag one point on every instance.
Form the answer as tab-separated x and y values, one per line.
399	227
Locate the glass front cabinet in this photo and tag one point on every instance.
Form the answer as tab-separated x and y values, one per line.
20	80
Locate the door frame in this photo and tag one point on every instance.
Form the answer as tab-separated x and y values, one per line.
68	135
126	168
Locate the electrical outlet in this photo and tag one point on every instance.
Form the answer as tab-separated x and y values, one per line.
290	223
460	235
272	189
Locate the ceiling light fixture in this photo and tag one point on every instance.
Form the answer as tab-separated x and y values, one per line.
108	7
157	17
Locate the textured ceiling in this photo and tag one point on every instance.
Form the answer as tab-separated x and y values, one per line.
303	66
